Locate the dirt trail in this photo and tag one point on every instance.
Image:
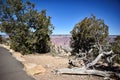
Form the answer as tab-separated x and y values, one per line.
50	63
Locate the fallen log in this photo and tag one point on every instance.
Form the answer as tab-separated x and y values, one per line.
82	71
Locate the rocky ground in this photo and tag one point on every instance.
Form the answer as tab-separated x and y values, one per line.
51	63
42	66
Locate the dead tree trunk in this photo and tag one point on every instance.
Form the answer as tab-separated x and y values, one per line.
82	71
98	58
85	70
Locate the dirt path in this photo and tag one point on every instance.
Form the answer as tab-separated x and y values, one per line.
50	63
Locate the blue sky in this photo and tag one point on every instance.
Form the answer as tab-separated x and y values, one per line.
66	13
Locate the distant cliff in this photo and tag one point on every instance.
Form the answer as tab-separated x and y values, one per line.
64	40
61	40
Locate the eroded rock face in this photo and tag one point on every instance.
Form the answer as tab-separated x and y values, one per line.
59	50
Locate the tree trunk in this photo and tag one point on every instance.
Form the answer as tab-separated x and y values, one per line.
98	58
82	71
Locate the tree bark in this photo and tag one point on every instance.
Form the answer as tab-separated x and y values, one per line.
98	58
82	71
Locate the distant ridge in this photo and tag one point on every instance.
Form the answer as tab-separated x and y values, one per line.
70	35
60	35
64	39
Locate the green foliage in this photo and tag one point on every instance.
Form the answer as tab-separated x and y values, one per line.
88	33
28	29
116	45
116	48
43	28
0	39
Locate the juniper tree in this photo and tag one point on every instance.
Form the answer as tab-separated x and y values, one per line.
0	39
27	28
90	33
90	44
42	27
116	48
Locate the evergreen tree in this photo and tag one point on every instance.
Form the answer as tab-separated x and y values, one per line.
88	33
42	30
116	48
0	39
28	29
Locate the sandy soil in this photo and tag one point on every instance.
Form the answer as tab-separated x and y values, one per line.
50	63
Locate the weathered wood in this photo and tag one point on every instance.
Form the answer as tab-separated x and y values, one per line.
85	71
95	61
98	58
82	71
117	75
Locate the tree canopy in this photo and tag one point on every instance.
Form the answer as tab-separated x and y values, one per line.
88	33
89	43
28	29
0	39
116	48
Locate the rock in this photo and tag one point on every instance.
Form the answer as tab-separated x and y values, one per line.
37	70
69	53
76	63
60	51
34	69
12	51
28	66
20	59
49	66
